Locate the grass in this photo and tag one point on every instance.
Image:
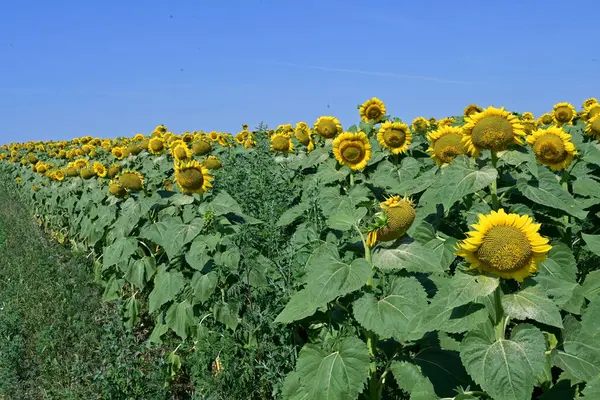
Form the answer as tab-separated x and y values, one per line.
59	339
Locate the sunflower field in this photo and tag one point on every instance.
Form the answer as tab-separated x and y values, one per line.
456	258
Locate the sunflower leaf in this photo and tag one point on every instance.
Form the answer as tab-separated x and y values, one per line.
592	242
410	256
166	286
532	303
180	317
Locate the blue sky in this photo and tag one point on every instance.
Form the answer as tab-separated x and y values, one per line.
110	68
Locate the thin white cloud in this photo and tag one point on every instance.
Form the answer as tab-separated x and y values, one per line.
372	73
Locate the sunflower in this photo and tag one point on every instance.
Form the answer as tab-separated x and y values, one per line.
528	126
87	173
18	179
116	189
131	180
472	109
192	177
201	147
181	152
156	145
352	149
394	136
493	128
545	119
214	136
420	125
507	245
592	111
58	175
563	113
282	143
589	102
71	171
80	163
212	162
445	144
372	110
114	170
187	137
303	133
397	215
327	127
118	152
100	169
139	137
446	121
528	116
593	127
432	121
552	147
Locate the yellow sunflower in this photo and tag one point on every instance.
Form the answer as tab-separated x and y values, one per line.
372	110
563	113
545	119
282	143
327	127
447	121
87	173
214	136
131	180
352	149
118	152
552	147
398	214
589	102
80	163
528	116
116	189
593	127
181	152
139	137
592	111
493	129
58	175
156	145
507	245
192	177
420	125
472	109
445	144
303	133
432	121
394	136
100	169
71	171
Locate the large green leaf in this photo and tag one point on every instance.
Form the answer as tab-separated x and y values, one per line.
166	286
226	314
547	191
223	204
389	316
328	172
586	187
410	379
180	316
593	243
591	285
328	277
120	251
410	256
532	303
141	271
204	285
172	234
507	369
345	218
579	353
293	213
592	389
336	374
198	255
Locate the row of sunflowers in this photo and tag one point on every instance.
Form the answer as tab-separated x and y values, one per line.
384	279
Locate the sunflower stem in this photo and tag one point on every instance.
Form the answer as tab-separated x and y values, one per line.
351	178
494	185
500	327
566	219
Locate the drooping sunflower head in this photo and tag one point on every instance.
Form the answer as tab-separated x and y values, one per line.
116	189
593	127
181	152
71	171
592	111
394	136
372	110
398	214
114	170
589	102
87	172
445	144
156	145
545	119
507	245
201	147
420	125
472	109
303	133
352	149
131	180
281	143
552	147
528	116
100	169
492	129
528	126
212	162
192	177
563	113
327	127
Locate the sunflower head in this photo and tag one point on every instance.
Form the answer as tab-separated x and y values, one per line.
281	143
552	147
420	125
528	116
545	119
181	152
71	171
398	214
58	175
493	129
394	136
99	169
528	126
187	137
327	127
507	245
114	170
563	113
472	109
131	180
593	127
372	110
445	144
592	111
589	102
156	145
87	173
192	177
212	162
80	163
352	149
116	189
214	136
118	152
446	121
303	133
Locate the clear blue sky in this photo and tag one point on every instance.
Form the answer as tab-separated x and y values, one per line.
109	68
